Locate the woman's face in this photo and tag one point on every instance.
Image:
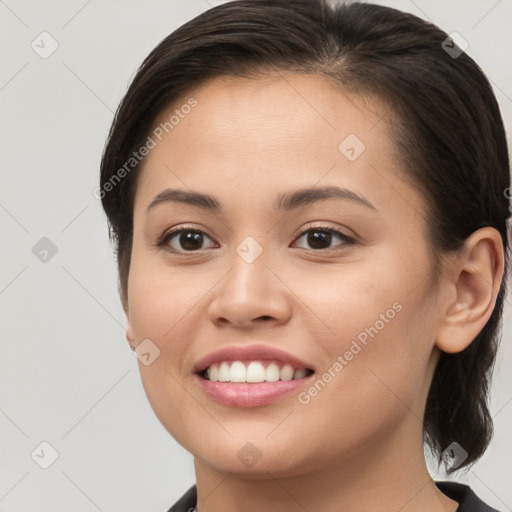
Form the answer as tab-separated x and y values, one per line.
359	307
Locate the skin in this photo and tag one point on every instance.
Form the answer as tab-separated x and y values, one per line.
357	445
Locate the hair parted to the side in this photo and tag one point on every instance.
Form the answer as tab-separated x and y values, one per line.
447	131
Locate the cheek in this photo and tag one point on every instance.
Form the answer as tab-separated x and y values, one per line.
344	302
368	387
162	304
162	296
375	335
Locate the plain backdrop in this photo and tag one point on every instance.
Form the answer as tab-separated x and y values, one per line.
68	377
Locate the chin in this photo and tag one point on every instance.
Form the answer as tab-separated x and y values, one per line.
251	461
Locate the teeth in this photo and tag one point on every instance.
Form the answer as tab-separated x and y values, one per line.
256	372
299	373
286	372
224	372
272	374
236	371
213	373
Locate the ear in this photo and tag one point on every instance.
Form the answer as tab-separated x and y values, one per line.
474	279
129	333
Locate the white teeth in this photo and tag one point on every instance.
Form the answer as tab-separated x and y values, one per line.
224	372
286	372
236	371
255	372
272	373
213	373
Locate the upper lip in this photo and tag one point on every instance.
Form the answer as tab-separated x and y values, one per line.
248	352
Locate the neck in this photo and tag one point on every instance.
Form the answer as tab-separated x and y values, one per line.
390	474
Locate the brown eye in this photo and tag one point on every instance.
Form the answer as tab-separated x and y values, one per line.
185	240
320	238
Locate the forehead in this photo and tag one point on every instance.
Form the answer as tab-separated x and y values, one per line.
274	132
278	113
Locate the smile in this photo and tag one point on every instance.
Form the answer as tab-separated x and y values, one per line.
253	372
250	375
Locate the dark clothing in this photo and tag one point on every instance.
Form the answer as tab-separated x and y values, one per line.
464	495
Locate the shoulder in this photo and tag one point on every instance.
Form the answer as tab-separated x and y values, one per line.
187	503
464	495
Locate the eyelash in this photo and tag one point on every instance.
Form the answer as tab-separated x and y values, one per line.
164	239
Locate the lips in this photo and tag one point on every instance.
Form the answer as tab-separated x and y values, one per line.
229	389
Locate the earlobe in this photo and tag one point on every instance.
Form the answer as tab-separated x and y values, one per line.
129	336
476	277
129	333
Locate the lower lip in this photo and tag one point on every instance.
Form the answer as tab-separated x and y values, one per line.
242	394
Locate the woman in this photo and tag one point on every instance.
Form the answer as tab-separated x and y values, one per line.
308	208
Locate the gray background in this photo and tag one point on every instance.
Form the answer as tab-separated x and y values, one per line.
67	374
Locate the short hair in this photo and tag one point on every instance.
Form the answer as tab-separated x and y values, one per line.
447	132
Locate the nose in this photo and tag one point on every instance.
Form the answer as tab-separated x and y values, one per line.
250	294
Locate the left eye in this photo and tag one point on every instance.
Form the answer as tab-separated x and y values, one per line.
320	236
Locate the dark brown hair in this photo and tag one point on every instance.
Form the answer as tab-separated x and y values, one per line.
447	130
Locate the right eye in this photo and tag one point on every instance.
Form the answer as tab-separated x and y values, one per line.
189	239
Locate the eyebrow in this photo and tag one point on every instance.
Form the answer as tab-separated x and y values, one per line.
284	202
